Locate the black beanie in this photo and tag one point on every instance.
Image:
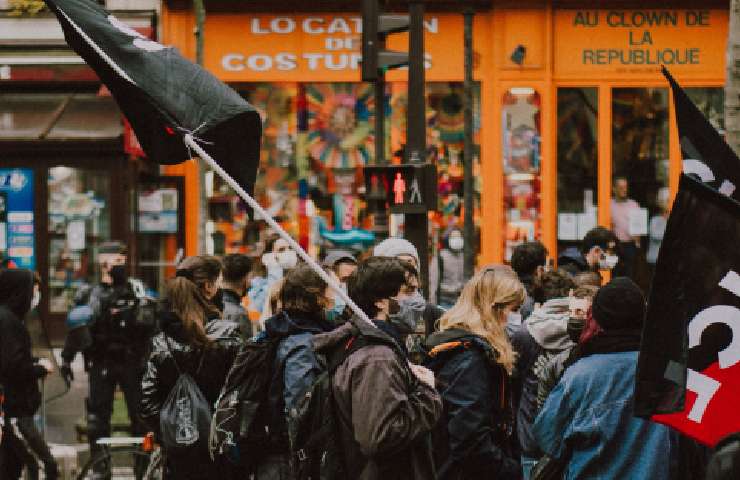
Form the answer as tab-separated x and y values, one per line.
619	304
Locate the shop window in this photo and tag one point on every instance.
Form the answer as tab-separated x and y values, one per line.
521	123
445	139
711	102
640	194
79	221
577	131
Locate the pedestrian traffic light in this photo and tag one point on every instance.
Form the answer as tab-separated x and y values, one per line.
375	28
407	188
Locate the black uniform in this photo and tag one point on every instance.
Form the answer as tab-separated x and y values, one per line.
116	356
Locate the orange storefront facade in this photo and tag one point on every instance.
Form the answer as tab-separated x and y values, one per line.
567	101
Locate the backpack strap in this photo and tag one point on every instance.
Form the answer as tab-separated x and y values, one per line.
167	345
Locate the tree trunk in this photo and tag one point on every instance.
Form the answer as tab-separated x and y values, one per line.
732	86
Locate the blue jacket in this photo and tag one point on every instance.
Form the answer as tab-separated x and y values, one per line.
296	365
588	422
471	441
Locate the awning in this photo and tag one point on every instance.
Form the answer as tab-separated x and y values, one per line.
58	116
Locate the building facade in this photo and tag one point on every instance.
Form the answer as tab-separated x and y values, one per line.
569	101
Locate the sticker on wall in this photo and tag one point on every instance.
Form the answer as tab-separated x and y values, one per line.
17	219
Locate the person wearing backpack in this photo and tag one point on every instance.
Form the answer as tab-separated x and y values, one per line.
305	301
194	342
385	407
472	359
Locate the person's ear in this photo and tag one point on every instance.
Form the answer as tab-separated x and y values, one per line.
383	305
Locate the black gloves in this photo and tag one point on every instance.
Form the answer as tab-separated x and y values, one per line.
66	371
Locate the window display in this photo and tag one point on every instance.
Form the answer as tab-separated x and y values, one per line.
577	164
521	124
640	168
316	139
79	221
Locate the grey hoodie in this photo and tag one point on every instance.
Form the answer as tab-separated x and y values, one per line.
548	325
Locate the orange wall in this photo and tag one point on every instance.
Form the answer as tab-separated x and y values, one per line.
556	43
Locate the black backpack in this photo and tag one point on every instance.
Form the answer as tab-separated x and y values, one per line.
185	418
313	424
240	430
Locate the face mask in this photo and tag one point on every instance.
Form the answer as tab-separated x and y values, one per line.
36	299
409	313
118	274
456	243
608	262
334	313
287	259
514	318
574	328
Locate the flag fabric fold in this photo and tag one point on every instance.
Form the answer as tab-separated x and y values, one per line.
163	95
705	153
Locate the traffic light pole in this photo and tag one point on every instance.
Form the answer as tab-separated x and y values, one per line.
381	214
469	248
417	224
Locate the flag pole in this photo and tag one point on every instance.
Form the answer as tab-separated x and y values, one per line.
189	141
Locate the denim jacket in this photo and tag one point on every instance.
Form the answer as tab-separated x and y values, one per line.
587	421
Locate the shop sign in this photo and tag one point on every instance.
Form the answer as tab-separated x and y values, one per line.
311	47
634	41
16	216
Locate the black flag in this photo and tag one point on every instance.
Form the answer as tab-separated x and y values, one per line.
705	153
688	372
163	95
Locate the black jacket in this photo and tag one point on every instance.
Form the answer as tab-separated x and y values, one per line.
234	312
19	373
161	373
471	439
115	338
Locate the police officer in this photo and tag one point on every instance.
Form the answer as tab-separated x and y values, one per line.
117	350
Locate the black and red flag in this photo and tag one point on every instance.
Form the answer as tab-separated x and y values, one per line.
163	95
688	374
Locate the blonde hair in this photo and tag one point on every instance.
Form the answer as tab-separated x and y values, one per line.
480	309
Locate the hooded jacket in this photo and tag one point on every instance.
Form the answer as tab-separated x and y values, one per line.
543	336
296	366
471	439
385	413
19	373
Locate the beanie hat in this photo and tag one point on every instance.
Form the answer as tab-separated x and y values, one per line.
393	247
619	304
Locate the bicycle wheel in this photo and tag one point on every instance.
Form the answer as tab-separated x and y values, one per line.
120	463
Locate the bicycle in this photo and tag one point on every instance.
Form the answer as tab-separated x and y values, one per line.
123	458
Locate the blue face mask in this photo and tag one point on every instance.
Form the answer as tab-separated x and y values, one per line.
334	313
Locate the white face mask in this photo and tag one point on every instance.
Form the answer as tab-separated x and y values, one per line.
514	318
456	243
607	262
287	259
36	299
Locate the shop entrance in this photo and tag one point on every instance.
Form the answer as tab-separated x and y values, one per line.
617	162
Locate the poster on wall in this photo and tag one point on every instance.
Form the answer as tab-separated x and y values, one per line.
158	211
16	219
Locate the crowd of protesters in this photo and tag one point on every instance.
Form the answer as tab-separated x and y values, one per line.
521	372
